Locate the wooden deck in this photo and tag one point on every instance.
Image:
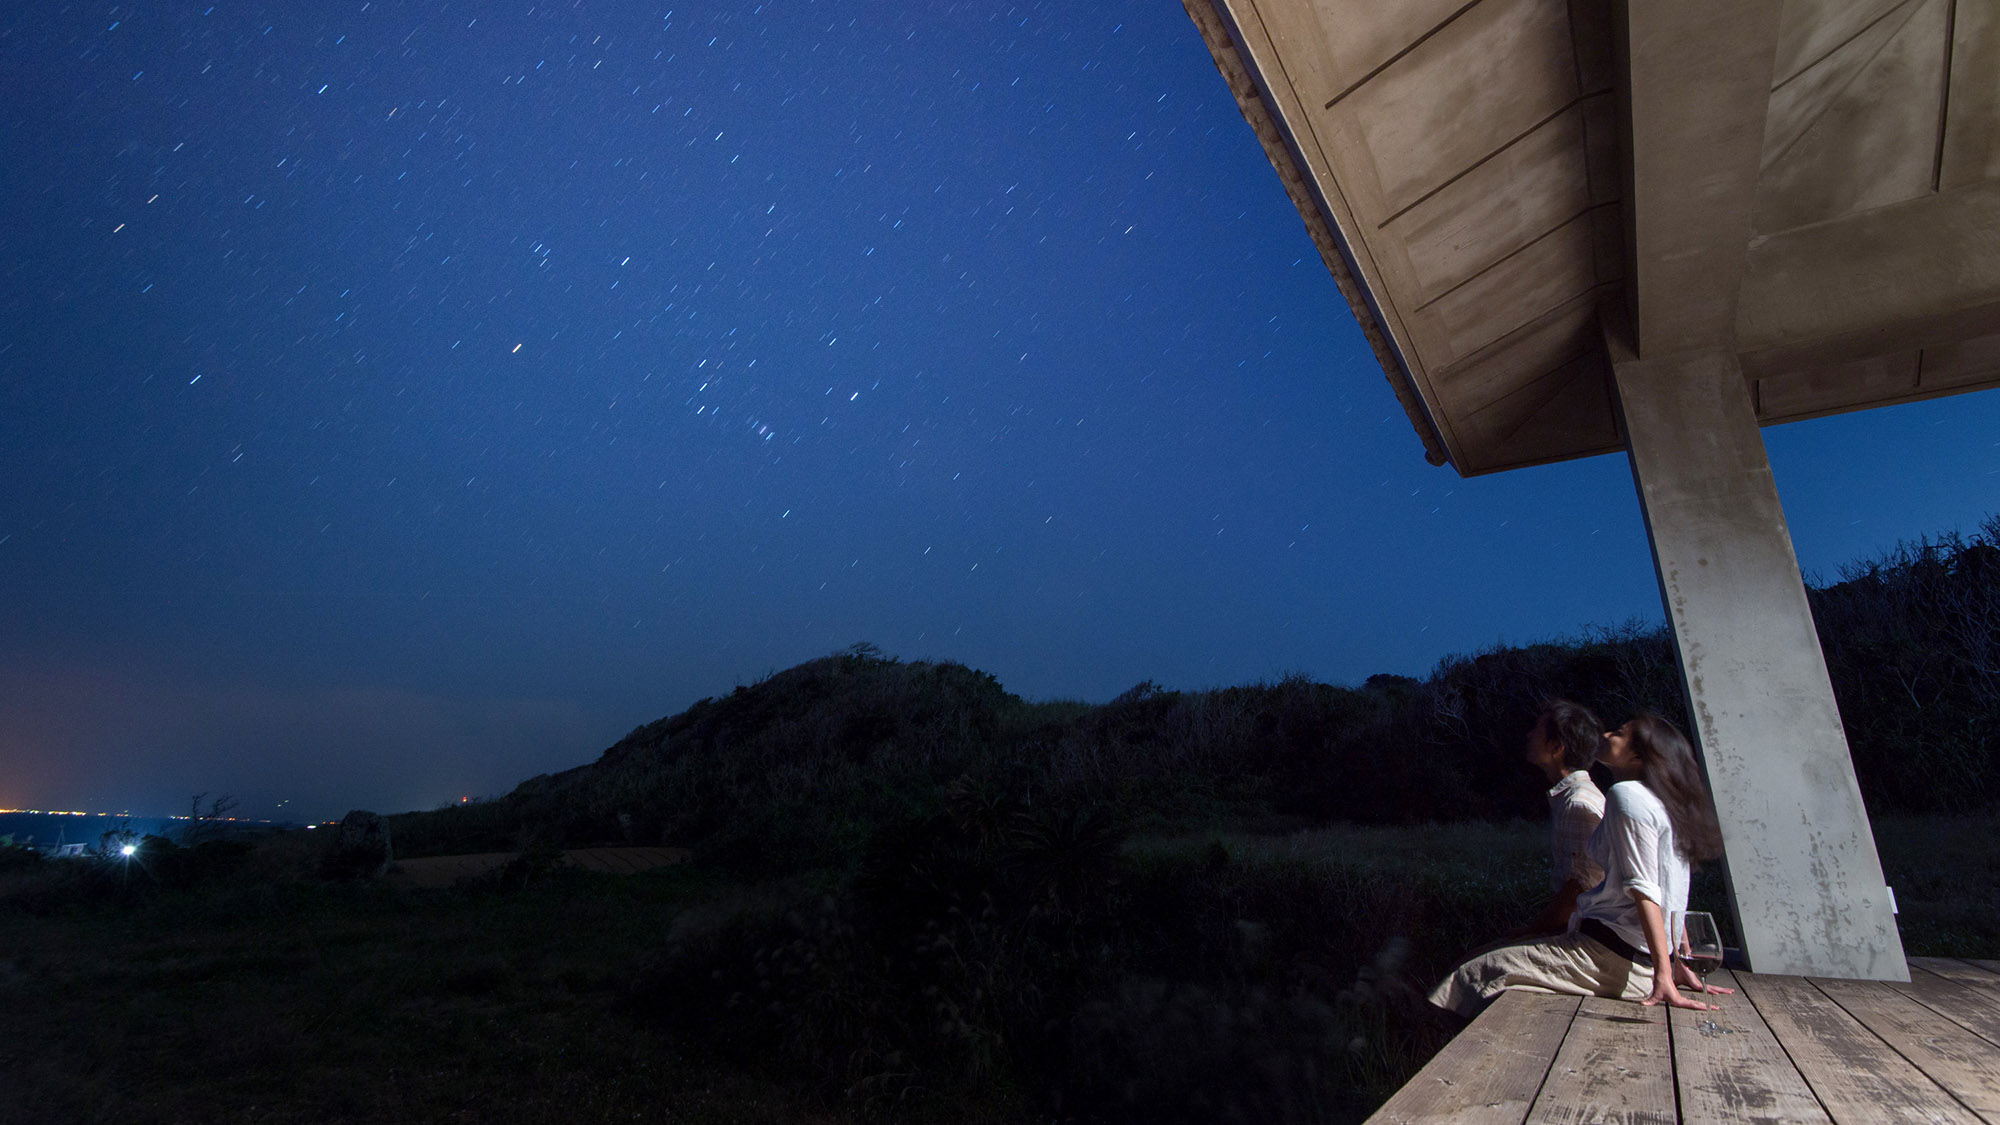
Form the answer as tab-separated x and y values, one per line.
1782	1049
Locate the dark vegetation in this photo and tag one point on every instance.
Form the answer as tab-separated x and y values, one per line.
918	896
800	770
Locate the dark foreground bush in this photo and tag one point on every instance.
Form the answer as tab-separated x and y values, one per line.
1003	955
1182	1051
1205	977
16	857
59	884
173	865
157	865
942	971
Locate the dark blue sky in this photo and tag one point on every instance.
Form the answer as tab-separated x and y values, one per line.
401	399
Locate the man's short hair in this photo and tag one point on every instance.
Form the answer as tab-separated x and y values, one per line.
1574	727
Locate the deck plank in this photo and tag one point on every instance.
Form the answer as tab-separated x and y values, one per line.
1489	1073
1615	1065
1990	966
1952	968
1975	1009
1856	1076
1964	1064
1729	1067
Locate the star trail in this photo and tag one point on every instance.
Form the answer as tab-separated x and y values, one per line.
401	399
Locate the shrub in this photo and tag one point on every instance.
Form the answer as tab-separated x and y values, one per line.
934	974
180	867
17	857
995	952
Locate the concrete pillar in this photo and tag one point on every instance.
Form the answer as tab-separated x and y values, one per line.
1801	859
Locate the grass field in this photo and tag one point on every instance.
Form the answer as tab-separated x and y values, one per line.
264	998
310	1002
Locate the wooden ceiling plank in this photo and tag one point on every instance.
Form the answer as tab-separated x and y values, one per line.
1961	365
1508	202
1800	100
1546	274
1491	75
1869	140
1810	394
1970	150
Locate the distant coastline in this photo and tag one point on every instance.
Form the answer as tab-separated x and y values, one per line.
45	829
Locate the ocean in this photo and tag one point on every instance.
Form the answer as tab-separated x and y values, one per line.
46	829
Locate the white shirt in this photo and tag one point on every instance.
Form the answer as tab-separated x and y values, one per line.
1575	807
1635	846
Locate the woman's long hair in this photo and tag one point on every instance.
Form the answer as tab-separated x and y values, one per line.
1674	776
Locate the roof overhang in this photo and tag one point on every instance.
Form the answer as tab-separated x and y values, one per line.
1496	185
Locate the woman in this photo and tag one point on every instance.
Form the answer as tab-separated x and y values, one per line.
1658	822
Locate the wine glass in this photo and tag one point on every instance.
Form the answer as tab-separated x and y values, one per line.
1704	943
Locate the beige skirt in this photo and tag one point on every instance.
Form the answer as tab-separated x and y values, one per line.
1571	964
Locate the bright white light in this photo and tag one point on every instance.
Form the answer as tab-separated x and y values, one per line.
129	850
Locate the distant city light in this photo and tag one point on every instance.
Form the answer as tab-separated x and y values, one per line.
128	814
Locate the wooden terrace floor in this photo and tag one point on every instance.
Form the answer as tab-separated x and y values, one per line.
1781	1049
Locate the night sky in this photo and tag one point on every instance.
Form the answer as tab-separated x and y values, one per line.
398	400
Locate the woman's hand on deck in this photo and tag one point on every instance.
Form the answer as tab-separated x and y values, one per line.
1655	925
1664	992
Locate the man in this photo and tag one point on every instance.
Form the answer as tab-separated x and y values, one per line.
1562	744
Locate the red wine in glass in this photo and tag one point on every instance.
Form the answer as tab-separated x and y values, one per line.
1704	944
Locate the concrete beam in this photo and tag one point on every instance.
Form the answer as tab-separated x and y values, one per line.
1895	279
1694	87
1802	864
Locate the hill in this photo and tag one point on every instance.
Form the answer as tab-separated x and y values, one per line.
798	770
